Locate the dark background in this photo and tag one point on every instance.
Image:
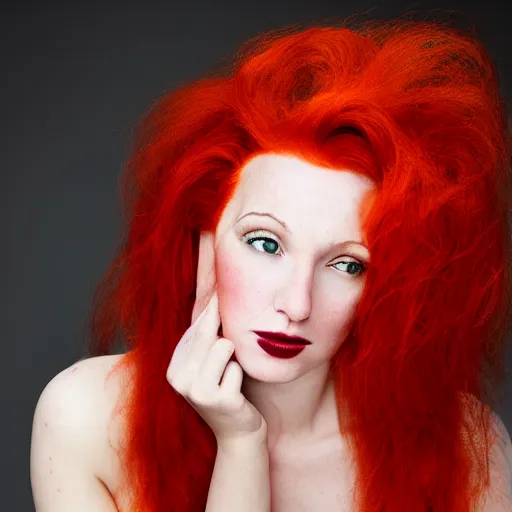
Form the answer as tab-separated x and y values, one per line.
76	78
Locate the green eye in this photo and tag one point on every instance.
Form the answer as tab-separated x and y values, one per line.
352	267
269	245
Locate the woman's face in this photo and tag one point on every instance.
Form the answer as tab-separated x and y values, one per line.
304	279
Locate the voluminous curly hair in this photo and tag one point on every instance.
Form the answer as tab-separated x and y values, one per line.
414	105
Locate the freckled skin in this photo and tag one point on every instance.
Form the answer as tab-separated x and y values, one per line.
290	283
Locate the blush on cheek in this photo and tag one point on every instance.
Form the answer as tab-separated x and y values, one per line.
229	279
231	290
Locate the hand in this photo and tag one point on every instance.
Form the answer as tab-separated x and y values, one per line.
200	369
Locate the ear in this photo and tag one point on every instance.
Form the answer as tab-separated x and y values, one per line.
206	279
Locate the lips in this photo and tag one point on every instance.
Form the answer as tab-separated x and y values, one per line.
283	338
280	349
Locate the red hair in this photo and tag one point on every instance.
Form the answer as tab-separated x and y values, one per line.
416	107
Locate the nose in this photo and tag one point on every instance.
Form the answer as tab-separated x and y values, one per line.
294	295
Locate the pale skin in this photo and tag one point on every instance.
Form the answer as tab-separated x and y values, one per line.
299	284
307	290
302	284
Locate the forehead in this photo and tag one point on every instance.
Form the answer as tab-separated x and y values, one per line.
274	179
300	193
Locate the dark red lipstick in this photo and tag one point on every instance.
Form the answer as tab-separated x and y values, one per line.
281	345
284	338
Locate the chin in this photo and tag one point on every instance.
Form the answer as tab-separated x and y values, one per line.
259	367
270	377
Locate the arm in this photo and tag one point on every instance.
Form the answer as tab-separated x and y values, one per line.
241	478
61	457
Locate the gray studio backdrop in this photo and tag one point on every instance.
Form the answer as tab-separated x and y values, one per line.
76	76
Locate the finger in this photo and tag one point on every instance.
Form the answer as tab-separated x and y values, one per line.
231	384
205	279
207	327
214	365
195	344
193	348
210	307
190	347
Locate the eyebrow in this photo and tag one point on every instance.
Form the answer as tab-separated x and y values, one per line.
285	226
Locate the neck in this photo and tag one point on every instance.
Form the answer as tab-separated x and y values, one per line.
301	410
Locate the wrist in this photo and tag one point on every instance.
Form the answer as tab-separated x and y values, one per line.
254	441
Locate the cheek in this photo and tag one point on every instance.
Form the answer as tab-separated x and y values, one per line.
230	284
338	319
234	286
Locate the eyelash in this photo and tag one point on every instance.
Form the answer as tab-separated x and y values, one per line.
249	239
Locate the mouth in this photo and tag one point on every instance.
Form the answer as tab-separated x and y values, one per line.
283	338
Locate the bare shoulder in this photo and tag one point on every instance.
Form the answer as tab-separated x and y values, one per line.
499	495
500	491
72	429
79	403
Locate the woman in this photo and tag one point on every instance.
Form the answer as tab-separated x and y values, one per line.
349	186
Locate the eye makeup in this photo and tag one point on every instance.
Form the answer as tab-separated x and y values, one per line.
288	230
268	238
